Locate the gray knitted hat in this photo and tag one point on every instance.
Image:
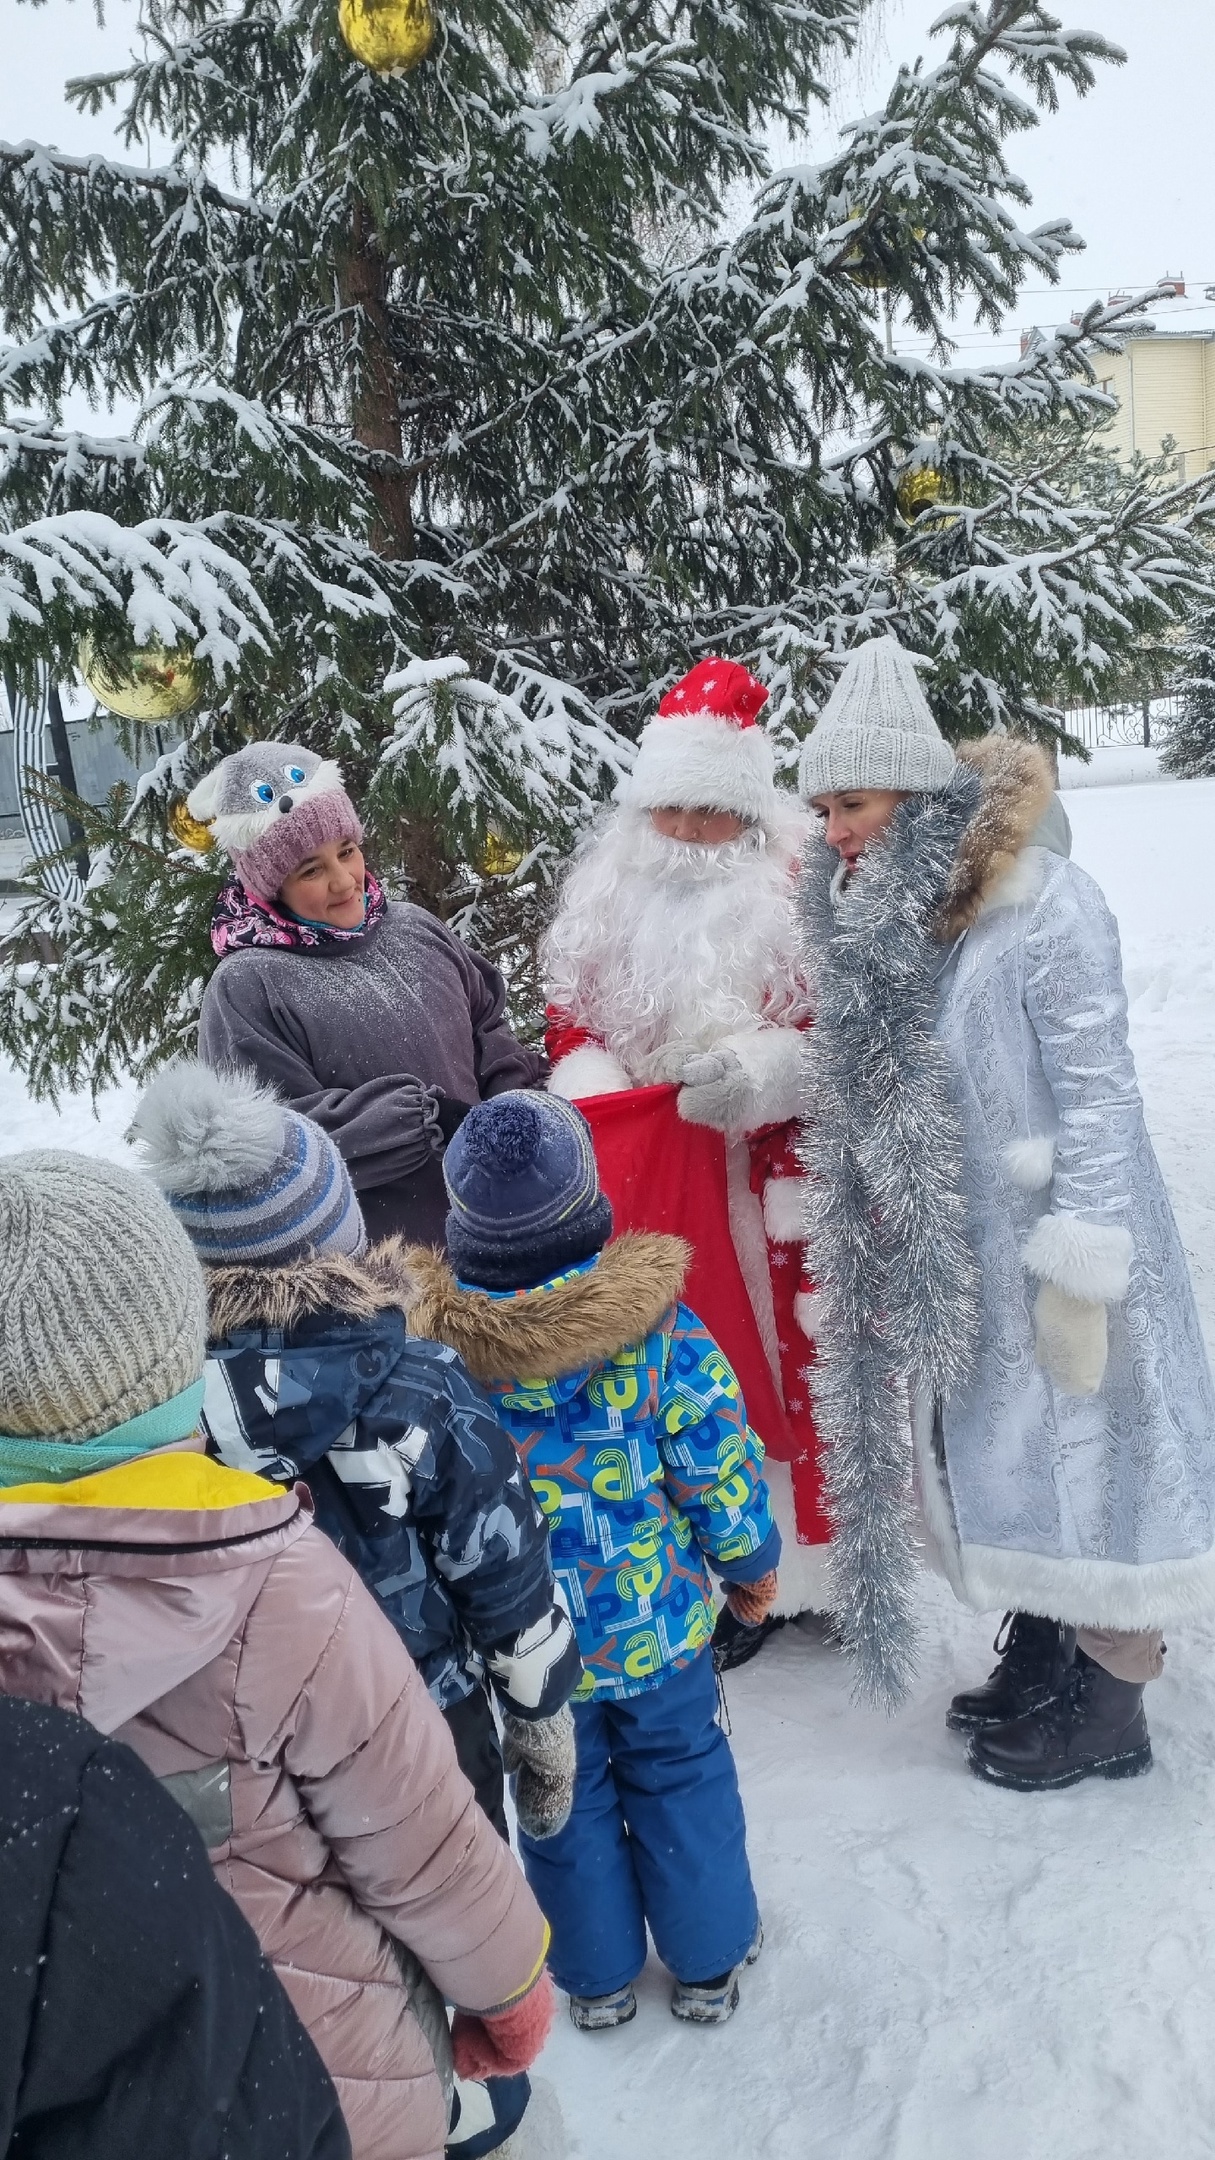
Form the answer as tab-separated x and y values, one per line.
255	1184
103	1312
875	730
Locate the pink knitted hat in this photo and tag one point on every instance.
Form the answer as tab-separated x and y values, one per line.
270	806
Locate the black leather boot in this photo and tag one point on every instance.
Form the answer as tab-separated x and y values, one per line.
1034	1657
1093	1727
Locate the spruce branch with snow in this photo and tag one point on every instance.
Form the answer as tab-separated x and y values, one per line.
1190	751
461	430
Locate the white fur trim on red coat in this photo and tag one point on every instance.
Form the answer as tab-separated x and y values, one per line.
784	1209
697	761
1086	1260
589	1070
808	1312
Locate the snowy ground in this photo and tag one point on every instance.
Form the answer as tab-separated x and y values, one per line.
951	1972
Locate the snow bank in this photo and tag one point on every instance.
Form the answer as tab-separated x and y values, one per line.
950	1971
1116	765
75	1124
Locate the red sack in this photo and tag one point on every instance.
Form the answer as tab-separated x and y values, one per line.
661	1173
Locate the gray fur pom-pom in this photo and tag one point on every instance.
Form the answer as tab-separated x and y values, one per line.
201	1131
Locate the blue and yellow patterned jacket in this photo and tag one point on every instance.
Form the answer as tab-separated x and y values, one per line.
634	1434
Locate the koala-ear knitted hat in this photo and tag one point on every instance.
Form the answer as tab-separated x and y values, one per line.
103	1310
876	729
269	806
524	1191
254	1183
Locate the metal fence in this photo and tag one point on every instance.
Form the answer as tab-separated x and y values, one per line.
1147	721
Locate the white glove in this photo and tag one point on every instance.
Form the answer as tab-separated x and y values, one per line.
1073	1340
753	1078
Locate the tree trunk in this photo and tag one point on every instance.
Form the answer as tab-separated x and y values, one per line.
375	402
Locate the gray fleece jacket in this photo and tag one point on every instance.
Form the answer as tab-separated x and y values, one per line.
366	1038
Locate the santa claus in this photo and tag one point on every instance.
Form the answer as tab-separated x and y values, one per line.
675	1017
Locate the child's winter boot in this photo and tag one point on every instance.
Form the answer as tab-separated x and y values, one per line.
1035	1656
1094	1727
485	2114
713	2002
597	2013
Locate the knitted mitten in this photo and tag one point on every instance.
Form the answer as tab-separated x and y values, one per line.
540	1754
751	1602
508	2041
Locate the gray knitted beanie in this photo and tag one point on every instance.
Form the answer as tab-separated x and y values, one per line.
255	1183
103	1312
876	729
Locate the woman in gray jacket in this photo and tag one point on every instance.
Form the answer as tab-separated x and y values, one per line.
367	1015
994	1243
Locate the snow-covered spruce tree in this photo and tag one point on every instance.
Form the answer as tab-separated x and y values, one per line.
444	461
1190	750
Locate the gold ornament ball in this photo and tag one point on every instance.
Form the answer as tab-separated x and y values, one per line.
860	267
921	487
388	36
150	683
499	857
189	832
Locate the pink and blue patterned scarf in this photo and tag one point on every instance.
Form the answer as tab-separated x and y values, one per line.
238	921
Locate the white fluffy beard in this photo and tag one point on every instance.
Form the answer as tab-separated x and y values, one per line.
659	949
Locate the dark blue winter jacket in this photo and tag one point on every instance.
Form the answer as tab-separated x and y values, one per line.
312	1374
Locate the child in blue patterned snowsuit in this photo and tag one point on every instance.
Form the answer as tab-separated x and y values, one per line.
633	1431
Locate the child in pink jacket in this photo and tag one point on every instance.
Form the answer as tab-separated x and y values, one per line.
194	1612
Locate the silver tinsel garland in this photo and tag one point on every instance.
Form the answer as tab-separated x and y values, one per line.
886	1220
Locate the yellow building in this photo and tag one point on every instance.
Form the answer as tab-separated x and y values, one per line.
1164	381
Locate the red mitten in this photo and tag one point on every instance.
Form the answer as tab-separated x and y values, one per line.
751	1602
507	2042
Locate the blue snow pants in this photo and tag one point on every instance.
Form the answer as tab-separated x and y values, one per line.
657	1833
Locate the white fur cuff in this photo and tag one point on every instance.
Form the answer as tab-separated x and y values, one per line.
1087	1260
1029	1164
784	1209
589	1070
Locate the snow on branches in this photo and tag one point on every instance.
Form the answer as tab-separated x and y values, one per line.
462	428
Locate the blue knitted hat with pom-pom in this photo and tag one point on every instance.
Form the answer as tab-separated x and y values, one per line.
524	1192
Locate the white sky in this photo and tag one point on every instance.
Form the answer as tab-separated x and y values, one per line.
1131	166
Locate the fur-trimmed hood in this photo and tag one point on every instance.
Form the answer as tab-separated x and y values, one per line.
552	1332
1017	786
280	1297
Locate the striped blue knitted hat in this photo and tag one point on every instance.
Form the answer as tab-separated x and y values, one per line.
524	1191
253	1183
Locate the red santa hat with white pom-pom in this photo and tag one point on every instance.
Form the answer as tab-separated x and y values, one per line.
704	750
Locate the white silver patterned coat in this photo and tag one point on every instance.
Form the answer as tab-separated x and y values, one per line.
1099	1509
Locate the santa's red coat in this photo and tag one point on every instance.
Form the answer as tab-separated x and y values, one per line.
737	1205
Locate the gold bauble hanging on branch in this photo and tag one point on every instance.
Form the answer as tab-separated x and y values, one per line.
863	268
860	268
189	832
388	36
923	487
152	683
499	857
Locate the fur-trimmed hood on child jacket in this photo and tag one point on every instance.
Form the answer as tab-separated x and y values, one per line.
311	1372
634	1434
196	1613
975	1128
